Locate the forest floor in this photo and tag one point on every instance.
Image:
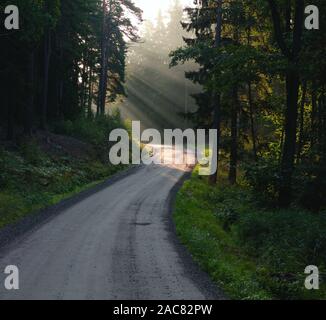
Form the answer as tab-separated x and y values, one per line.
249	251
42	171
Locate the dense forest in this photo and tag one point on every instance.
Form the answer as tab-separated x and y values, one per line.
59	73
251	70
66	60
264	91
260	220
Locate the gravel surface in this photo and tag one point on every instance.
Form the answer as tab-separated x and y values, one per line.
116	241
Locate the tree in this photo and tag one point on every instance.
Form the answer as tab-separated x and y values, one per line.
292	86
53	62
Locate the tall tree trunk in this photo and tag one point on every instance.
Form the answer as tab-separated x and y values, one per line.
292	89
90	93
251	107
216	126
291	117
301	124
59	81
47	57
8	100
83	95
103	71
313	114
323	130
252	122
321	122
234	138
29	106
216	98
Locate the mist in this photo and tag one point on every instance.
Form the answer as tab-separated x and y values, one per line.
157	95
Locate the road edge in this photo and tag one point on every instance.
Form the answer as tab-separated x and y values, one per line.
33	221
193	271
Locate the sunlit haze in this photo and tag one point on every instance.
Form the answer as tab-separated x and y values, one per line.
152	7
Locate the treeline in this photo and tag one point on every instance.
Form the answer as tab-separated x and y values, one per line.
67	60
264	91
156	94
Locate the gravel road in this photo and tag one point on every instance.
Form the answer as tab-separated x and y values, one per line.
117	243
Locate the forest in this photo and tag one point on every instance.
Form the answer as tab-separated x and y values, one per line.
253	72
262	73
57	72
269	94
61	67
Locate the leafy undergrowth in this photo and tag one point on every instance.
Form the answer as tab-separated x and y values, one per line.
35	174
250	252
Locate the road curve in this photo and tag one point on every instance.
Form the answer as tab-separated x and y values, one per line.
118	243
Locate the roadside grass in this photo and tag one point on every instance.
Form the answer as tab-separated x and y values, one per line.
32	179
250	252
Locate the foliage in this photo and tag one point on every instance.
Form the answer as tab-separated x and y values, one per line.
261	86
64	59
31	179
262	253
264	178
94	131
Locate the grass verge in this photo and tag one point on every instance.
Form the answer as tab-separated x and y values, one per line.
41	171
250	252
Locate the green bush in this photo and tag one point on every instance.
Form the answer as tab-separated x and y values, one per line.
31	179
286	241
264	179
226	229
92	130
31	152
310	185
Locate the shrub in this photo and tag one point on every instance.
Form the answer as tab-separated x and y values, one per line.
92	130
310	186
286	241
264	179
31	152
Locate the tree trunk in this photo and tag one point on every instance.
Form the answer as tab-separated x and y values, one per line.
29	106
90	94
302	112
252	122
216	126
234	138
83	94
47	57
313	114
321	123
103	72
291	117
216	98
292	89
10	112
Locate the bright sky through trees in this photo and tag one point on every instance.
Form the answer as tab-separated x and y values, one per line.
152	7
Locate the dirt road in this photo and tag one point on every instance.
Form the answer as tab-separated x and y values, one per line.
118	243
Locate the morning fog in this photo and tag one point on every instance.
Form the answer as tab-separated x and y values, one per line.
175	147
